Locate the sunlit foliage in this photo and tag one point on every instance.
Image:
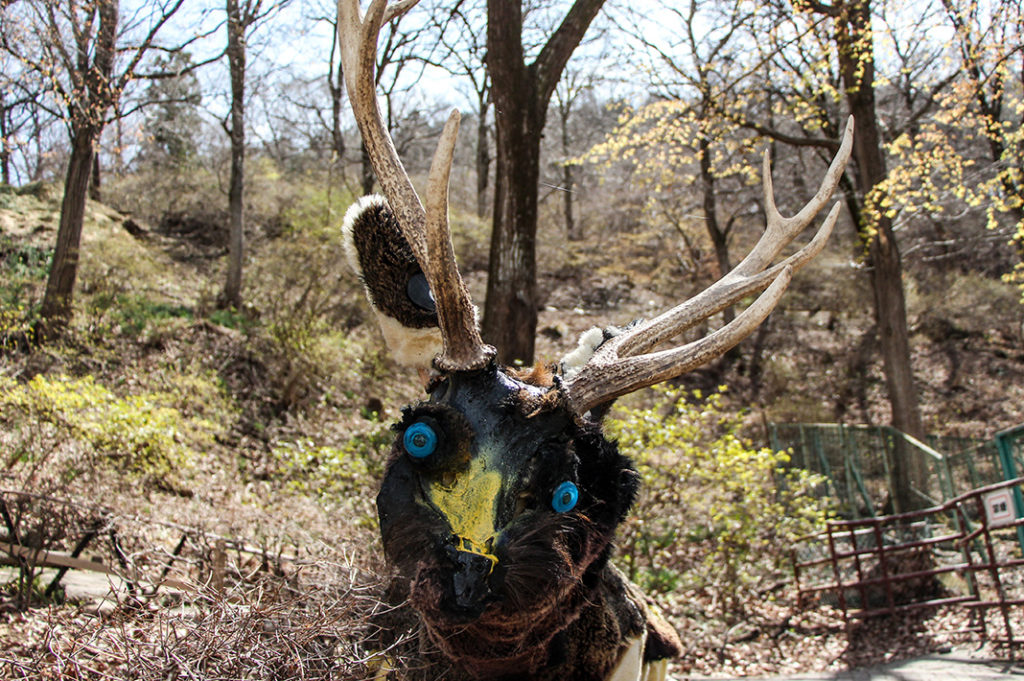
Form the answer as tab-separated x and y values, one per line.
149	435
716	514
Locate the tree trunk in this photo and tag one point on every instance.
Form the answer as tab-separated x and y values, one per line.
510	311
520	94
231	297
119	155
856	63
719	238
60	285
88	106
5	149
573	230
337	139
709	205
367	177
483	160
910	471
755	370
95	188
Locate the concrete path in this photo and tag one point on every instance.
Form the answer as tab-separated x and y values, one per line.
948	667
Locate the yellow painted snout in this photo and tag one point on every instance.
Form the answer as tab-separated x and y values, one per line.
467	546
468	501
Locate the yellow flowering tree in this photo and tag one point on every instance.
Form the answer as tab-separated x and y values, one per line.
693	165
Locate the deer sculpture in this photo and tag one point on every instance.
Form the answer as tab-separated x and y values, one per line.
501	496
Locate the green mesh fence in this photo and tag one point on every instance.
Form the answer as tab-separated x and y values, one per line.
1010	445
857	460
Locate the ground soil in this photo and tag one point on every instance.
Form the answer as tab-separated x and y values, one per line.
815	361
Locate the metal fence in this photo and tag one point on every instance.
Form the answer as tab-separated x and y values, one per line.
1010	445
953	554
144	558
857	461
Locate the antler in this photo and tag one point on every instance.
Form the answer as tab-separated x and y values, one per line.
426	230
617	367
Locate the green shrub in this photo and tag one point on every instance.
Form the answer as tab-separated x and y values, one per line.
26	261
131	313
715	513
139	434
231	318
317	210
305	298
344	477
23	272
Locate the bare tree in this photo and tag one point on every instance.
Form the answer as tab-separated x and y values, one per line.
18	95
243	17
300	94
336	86
699	72
842	31
460	49
568	93
986	49
173	123
18	114
855	52
87	58
396	51
521	93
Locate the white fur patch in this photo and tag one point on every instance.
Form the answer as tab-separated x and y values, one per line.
409	346
347	237
631	664
655	671
585	348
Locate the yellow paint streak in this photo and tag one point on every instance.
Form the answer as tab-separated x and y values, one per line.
468	503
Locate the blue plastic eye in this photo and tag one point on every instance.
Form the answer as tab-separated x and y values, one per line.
420	440
565	497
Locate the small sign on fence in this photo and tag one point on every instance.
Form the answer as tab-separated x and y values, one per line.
999	507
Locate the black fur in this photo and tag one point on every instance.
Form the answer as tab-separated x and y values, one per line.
552	568
387	265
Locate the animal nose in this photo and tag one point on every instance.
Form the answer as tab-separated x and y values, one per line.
470	580
471	567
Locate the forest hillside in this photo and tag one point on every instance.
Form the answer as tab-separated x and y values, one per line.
197	404
269	424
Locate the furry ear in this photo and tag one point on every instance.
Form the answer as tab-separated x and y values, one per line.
590	340
395	285
588	344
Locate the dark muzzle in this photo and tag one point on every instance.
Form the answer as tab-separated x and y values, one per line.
470	572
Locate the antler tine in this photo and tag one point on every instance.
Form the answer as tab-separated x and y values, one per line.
398	9
358	41
600	381
781	230
720	295
462	345
618	367
747	277
426	230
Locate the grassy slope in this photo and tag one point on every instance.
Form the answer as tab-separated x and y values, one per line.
284	402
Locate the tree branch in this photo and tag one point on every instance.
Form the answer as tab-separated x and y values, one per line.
177	73
779	136
556	52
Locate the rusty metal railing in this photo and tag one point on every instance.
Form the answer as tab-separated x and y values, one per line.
943	555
